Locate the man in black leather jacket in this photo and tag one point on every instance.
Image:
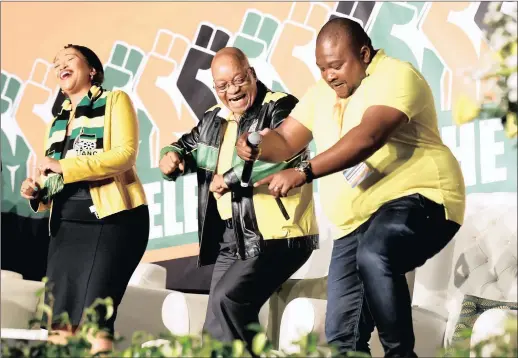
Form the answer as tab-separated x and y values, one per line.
242	230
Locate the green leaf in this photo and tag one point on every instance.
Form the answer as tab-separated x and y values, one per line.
40	292
238	347
259	343
312	342
256	327
109	312
46	309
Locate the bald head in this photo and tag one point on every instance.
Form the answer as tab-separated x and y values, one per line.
234	80
343	29
227	55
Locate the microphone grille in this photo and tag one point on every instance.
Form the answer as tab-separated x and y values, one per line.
255	138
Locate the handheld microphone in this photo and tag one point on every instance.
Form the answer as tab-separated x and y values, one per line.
282	208
253	140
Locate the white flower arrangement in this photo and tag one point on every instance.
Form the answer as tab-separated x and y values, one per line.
501	33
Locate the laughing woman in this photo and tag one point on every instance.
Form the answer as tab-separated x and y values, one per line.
99	221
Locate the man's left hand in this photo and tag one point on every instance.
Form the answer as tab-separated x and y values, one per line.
50	165
279	184
218	186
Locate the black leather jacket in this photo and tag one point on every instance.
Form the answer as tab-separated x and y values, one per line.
200	150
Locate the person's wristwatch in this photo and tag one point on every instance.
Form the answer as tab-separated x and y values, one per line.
305	167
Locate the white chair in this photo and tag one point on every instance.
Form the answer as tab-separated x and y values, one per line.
184	313
149	275
18	300
140	309
480	260
10	274
141	306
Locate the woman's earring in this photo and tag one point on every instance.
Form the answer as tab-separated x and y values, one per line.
91	77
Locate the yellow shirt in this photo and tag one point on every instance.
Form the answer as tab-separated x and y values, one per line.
226	153
414	160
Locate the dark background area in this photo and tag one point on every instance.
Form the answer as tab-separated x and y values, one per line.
25	243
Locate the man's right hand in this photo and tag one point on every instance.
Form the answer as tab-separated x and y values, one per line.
30	189
170	162
244	151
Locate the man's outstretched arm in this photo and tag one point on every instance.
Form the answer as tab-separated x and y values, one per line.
377	125
277	145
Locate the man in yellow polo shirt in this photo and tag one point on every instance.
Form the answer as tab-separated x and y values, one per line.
393	189
241	229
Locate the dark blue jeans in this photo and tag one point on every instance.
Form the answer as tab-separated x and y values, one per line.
366	282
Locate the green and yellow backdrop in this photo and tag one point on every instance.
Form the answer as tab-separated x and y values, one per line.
160	54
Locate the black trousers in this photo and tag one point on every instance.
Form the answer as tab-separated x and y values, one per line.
239	288
90	260
366	283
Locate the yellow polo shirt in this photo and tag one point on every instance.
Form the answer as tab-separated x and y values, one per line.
414	160
226	153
